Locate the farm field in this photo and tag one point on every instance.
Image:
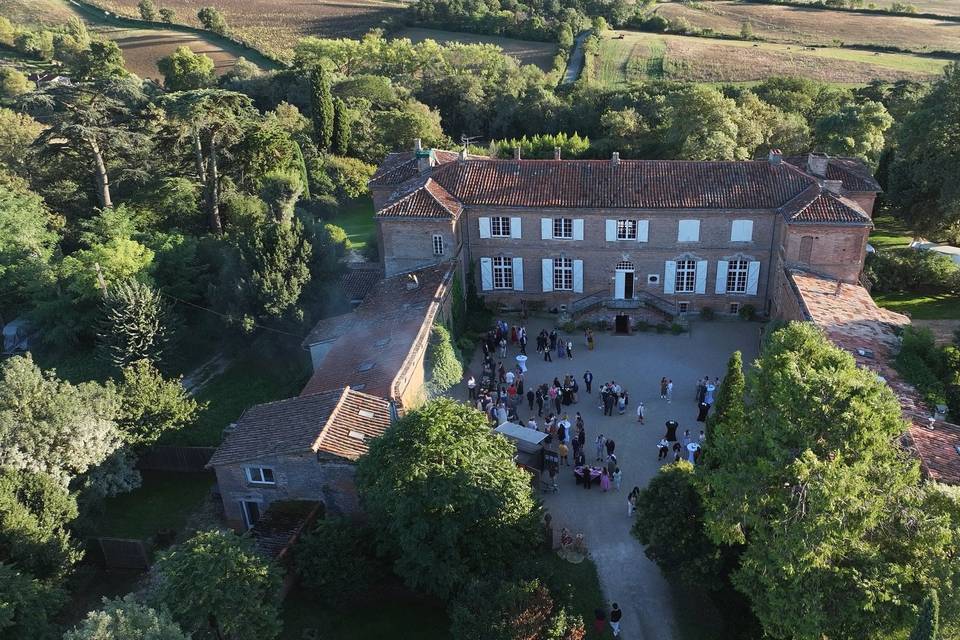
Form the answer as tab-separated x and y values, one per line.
273	26
939	7
143	47
540	54
816	26
35	12
640	56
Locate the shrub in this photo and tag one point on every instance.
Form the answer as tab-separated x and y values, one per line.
748	312
661	327
909	269
337	559
568	327
922	364
707	313
642	325
446	370
676	328
511	611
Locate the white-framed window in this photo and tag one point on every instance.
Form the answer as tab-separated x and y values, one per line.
563	274
500	227
437	244
683	307
260	475
688	231
734	307
563	228
502	273
626	229
737	276
686	276
741	231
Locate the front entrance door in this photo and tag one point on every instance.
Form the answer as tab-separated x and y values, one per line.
623	281
628	285
621	324
251	512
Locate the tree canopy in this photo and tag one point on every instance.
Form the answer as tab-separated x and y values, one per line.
126	619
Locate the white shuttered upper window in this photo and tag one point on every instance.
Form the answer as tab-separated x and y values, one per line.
688	231
741	231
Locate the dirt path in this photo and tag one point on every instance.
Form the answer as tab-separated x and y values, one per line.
577	58
194	381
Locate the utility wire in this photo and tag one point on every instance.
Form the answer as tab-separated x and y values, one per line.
228	316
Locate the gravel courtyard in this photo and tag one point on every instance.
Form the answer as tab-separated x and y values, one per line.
636	362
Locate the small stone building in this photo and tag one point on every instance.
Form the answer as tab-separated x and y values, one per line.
297	449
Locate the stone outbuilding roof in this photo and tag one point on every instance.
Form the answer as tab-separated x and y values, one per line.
338	422
830	209
426	200
855	176
382	333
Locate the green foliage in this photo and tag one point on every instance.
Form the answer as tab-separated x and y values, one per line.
184	70
542	146
36	44
347	177
321	107
168	15
136	324
857	130
912	270
511	610
148	10
13	83
670	524
101	60
216	586
445	498
211	18
445	368
151	405
928	621
126	619
924	365
35	511
340	138
279	259
336	559
838	535
281	190
729	411
27	606
51	426
747	312
17	133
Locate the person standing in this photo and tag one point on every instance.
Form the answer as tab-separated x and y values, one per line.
564	452
663	448
669	390
610	445
472	388
617	478
503	347
531	396
615	615
546	356
588	380
570	349
608	402
702	413
587	478
601	443
640	411
611	465
604	480
663	388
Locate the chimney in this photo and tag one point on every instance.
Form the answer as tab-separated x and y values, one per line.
463	154
615	160
425	159
416	144
833	186
516	153
775	156
817	164
556	153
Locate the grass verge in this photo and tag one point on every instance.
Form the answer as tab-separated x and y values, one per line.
356	218
889	233
921	305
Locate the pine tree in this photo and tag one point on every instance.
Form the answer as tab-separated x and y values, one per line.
929	619
321	106
341	128
135	324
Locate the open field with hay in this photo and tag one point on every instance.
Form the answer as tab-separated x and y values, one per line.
540	54
938	7
274	26
641	56
817	26
142	48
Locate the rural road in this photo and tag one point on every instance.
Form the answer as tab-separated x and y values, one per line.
575	64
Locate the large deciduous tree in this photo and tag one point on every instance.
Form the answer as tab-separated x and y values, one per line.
837	533
446	499
184	70
211	18
151	405
35	511
857	130
27	606
923	177
126	619
216	586
321	107
52	426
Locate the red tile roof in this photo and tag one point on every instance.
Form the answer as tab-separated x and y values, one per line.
938	447
400	167
854	175
383	334
828	208
359	279
321	422
428	200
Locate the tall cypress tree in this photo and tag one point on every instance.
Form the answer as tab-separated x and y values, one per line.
341	128
321	105
728	411
929	619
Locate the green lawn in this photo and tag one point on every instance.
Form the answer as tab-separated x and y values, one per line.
391	616
889	233
262	373
165	501
356	218
921	306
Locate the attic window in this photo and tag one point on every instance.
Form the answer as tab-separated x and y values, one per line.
363	413
356	435
366	366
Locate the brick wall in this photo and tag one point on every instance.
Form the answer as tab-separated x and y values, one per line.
836	251
787	303
407	243
600	256
298	477
865	200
